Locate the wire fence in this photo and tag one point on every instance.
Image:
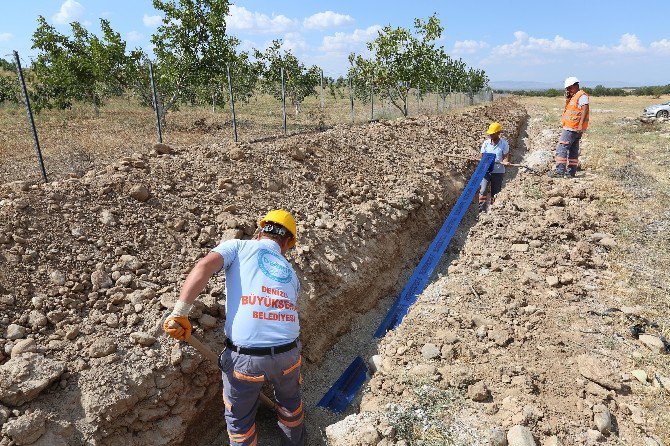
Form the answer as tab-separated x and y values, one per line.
72	141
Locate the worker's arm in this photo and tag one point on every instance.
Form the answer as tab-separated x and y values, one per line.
177	324
199	276
585	116
505	160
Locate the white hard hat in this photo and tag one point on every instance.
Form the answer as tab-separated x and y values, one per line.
570	81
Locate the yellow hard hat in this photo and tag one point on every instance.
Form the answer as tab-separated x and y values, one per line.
494	128
284	218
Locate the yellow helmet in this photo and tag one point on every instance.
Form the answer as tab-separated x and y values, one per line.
284	218
495	127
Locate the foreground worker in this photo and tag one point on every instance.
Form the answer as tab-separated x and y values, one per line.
261	327
575	121
494	177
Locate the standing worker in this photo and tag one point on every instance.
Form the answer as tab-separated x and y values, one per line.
575	121
261	327
494	177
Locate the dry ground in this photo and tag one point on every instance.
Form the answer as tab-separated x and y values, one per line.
534	304
76	140
625	164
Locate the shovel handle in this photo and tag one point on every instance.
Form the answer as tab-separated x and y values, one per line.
207	352
469	158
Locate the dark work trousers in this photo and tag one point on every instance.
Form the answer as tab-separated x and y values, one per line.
244	376
494	182
567	153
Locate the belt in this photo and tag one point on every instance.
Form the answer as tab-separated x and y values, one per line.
261	351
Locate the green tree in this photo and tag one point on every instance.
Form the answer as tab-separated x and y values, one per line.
192	51
474	81
81	67
450	75
300	81
9	89
6	65
402	60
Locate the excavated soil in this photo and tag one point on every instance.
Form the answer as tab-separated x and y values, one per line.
521	341
89	265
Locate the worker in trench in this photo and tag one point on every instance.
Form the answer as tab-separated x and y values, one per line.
575	121
492	182
261	327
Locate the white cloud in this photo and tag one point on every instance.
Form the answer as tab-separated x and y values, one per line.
5	37
294	42
349	41
629	43
134	36
469	46
70	11
525	45
327	19
662	46
241	19
152	21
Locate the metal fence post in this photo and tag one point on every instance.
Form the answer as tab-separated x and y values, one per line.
283	98
372	97
322	89
351	100
232	102
156	104
29	111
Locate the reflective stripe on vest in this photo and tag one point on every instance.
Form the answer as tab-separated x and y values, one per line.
573	114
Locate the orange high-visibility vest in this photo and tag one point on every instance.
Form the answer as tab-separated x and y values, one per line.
573	113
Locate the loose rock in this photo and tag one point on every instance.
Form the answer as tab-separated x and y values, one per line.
23	378
520	436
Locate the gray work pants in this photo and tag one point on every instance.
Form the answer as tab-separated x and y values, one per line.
567	152
243	377
494	181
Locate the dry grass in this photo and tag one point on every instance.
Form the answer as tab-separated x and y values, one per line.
631	161
76	140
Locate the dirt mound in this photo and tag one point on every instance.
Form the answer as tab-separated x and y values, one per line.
520	341
89	265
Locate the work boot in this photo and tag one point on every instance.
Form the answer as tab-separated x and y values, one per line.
555	174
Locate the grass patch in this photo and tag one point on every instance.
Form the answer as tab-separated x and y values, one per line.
429	420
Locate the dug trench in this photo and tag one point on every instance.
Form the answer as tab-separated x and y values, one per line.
89	265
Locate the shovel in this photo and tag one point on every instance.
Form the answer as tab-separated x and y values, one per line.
209	354
469	158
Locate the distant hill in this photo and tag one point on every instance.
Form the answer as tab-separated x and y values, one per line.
533	85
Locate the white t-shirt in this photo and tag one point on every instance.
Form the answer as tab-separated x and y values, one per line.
583	100
500	150
261	294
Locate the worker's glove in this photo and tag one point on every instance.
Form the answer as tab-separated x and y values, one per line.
177	324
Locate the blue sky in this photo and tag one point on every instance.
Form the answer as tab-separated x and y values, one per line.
608	41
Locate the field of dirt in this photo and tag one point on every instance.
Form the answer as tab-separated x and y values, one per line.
551	327
76	140
89	265
546	323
